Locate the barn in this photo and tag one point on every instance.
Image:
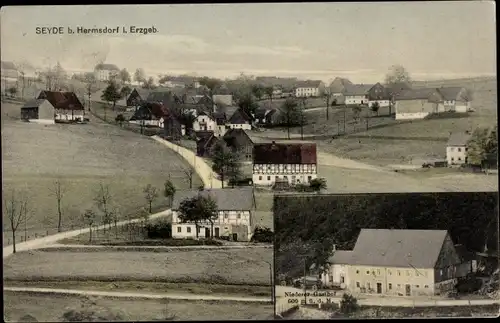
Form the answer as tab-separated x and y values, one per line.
38	111
417	103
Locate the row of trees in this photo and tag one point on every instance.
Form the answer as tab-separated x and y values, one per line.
483	146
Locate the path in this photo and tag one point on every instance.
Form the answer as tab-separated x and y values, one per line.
203	170
48	240
188	297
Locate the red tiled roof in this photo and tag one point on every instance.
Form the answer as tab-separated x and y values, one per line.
273	153
62	100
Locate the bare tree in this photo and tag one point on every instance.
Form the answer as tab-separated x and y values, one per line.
16	208
58	192
22	75
90	81
151	195
189	172
103	200
115	215
89	218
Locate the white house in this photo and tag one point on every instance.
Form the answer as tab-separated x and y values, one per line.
357	94
204	122
234	217
336	273
293	162
38	111
67	106
104	72
379	94
455	99
456	148
309	88
239	120
416	103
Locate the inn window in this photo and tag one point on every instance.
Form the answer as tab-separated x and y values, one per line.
357	271
357	285
378	271
260	178
238	215
417	286
459	149
226	214
179	229
268	178
390	286
367	272
426	286
188	229
399	273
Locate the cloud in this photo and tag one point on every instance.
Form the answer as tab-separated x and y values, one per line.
271	51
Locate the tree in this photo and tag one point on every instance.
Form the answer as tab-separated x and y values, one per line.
90	81
169	190
12	91
124	76
125	91
17	211
318	184
103	202
111	93
397	74
225	162
22	76
140	76
151	193
375	107
492	143
477	147
258	91
58	192
120	119
198	209
213	85
187	119
89	218
327	94
348	304
149	83
292	114
269	90
247	103
356	111
189	172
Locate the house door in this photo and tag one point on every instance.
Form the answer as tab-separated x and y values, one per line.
235	237
207	232
408	290
217	233
379	288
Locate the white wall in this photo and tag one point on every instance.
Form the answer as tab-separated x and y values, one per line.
262	175
382	103
462	108
306	91
244	126
204	123
456	155
332	275
413	115
356	99
42	121
68	115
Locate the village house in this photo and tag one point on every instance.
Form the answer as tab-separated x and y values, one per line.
67	106
260	116
338	89
457	147
105	72
309	88
205	122
292	162
205	141
239	142
417	103
38	111
391	262
357	94
137	97
234	219
378	94
240	120
456	99
150	115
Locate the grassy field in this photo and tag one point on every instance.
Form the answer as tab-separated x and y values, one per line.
227	267
82	157
50	308
277	103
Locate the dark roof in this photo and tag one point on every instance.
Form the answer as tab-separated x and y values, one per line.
463	253
414	94
227	199
308	84
62	100
357	89
106	67
35	103
450	93
277	153
459	139
203	134
220	118
340	257
239	117
160	96
396	88
143	93
8	65
232	133
398	248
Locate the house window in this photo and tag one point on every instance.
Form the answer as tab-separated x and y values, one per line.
390	286
452	159
417	286
188	229
399	273
368	286
452	149
309	178
408	273
399	285
357	271
260	178
466	149
238	216
459	149
226	215
441	272
357	285
426	286
367	272
378	271
268	178
459	158
179	229
389	272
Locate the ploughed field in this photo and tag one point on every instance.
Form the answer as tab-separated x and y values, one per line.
82	157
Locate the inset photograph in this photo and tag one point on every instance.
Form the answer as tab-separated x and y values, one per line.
386	255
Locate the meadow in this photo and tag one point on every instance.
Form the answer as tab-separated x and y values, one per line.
82	157
50	308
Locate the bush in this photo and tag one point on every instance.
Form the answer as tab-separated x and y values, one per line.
348	304
262	234
302	188
161	230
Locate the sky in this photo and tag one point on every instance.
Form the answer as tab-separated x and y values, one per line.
360	41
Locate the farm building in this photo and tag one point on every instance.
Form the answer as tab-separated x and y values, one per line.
294	162
378	93
338	88
240	120
455	99
416	103
456	148
240	143
39	111
234	218
137	97
205	140
357	93
391	262
309	88
66	104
